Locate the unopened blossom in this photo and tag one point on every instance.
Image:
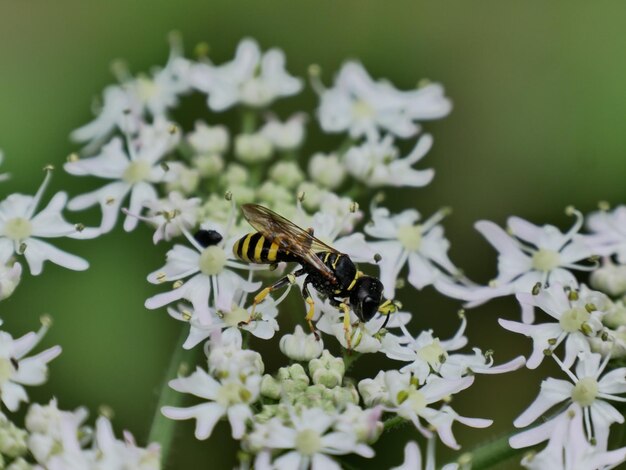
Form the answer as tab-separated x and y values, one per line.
133	170
287	174
228	358
17	370
253	148
287	135
360	106
590	389
406	239
300	346
608	232
22	228
171	215
12	439
10	275
124	105
205	139
609	278
578	316
208	166
376	163
202	275
229	397
327	170
309	441
252	78
569	448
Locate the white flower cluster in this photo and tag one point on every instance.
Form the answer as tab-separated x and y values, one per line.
188	185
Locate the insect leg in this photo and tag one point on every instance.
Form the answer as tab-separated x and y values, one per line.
347	326
289	279
311	303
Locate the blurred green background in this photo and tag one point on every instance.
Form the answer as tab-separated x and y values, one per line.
538	124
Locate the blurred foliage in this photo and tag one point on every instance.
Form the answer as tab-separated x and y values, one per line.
538	124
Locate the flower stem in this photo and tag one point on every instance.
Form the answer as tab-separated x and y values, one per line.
492	453
394	422
162	428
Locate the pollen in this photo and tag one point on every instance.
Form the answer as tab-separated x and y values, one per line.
585	391
18	228
212	260
546	260
136	172
410	236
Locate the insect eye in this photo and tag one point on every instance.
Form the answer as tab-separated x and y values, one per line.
369	308
207	237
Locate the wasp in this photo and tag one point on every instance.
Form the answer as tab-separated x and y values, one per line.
331	273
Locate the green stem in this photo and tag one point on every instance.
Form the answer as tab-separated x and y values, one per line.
162	428
350	357
394	422
345	145
248	121
492	453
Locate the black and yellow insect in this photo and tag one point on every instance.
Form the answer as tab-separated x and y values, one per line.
331	273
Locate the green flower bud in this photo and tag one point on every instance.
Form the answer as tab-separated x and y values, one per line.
327	370
287	174
208	165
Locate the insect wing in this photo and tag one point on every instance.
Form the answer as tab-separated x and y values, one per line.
287	235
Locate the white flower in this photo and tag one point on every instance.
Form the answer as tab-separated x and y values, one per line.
262	325
608	233
375	163
287	135
210	283
527	255
459	365
9	278
610	278
251	78
171	215
286	173
310	438
588	390
422	244
16	370
569	448
360	106
124	105
300	346
326	170
399	393
226	357
578	315
253	148
229	397
366	424
50	427
209	139
134	173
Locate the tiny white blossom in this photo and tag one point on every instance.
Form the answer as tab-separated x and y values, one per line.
588	390
207	139
327	170
22	227
229	397
578	315
609	278
226	358
171	215
360	106
375	163
252	78
134	170
17	370
423	245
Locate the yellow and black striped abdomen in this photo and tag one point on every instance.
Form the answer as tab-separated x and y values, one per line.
255	248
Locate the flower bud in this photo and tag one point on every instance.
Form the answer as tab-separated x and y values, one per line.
12	438
270	387
285	135
287	174
235	174
300	346
208	165
253	148
19	464
610	278
327	370
271	193
209	139
313	195
326	170
185	180
242	194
